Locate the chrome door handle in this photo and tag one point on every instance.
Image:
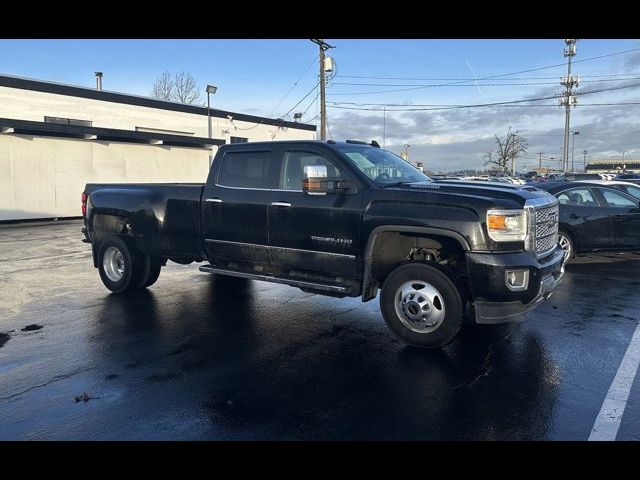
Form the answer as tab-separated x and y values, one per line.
280	204
214	200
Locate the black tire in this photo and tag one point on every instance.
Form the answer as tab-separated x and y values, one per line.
132	264
151	271
570	243
449	302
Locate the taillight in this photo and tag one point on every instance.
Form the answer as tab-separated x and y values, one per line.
84	204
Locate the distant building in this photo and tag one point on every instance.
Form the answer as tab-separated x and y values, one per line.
608	165
418	165
54	138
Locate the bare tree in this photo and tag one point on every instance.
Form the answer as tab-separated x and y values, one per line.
508	149
163	87
186	89
180	87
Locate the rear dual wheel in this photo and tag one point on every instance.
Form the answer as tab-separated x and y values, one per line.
122	267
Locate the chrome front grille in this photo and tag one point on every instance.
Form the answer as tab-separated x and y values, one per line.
546	244
545	229
543	215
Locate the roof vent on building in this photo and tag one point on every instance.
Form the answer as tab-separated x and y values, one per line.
99	81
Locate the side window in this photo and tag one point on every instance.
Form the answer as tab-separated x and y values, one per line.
635	191
293	163
615	199
246	170
577	197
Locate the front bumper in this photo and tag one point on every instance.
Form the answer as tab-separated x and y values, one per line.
493	301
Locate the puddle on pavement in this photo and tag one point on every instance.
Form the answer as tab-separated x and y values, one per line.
31	328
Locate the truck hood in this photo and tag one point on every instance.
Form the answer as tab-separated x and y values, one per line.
497	193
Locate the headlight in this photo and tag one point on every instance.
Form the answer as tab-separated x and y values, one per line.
507	225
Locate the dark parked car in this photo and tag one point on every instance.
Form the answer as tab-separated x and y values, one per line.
343	219
627	187
595	217
628	176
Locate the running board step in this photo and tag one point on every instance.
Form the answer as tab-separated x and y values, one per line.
268	278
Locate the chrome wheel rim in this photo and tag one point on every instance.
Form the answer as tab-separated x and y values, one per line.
420	306
113	264
565	244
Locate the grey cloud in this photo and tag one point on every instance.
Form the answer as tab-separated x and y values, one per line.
633	62
604	131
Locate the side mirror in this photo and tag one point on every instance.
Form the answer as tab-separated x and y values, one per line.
314	180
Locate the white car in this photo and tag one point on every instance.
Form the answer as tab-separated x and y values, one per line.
607	176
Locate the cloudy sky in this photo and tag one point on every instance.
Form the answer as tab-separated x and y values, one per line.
395	91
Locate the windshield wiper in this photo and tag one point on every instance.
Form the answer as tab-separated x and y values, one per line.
397	184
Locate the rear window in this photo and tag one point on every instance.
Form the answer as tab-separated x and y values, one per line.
246	170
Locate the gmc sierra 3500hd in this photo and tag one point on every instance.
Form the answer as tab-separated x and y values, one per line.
340	219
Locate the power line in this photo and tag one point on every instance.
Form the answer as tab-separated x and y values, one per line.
478	84
503	74
293	86
449	107
301	100
281	100
311	104
472	79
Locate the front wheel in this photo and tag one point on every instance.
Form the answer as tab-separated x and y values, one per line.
565	242
421	305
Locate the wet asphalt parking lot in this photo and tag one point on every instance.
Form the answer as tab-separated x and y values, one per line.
203	357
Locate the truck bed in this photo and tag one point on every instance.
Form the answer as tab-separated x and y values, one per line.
167	215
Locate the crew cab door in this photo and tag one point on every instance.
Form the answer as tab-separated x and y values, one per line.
582	211
234	205
314	232
625	212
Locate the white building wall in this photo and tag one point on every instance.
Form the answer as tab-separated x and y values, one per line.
43	177
32	105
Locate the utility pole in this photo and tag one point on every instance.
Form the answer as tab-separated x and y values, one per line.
584	161
539	161
568	99
324	46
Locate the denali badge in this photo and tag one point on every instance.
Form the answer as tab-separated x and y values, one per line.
335	241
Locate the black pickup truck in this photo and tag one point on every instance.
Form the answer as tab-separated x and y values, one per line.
340	219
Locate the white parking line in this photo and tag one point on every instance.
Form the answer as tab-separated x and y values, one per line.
610	416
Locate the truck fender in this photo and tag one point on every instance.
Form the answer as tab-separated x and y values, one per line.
369	290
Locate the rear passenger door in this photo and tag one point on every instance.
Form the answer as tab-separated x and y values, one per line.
626	218
588	219
234	205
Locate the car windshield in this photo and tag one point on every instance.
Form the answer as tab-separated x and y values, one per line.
382	166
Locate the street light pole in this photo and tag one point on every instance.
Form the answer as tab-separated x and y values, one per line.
406	152
210	89
623	165
573	148
584	161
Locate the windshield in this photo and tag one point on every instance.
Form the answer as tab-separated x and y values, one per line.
382	166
